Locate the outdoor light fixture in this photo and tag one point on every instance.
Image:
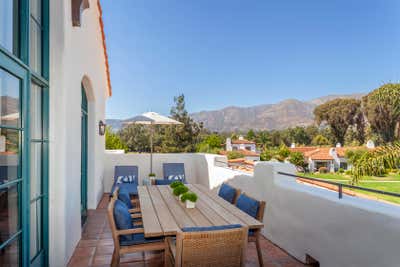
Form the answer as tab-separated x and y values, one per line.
102	128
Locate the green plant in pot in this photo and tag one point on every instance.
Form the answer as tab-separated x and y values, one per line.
179	190
176	184
190	199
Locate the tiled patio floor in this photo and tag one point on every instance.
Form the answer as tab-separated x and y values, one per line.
96	248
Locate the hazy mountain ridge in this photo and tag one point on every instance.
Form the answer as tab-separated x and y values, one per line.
282	115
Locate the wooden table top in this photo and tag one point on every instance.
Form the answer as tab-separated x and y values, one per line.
164	215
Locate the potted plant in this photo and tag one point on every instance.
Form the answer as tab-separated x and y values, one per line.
190	199
152	177
175	184
179	190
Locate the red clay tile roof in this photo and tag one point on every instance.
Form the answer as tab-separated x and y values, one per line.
242	141
303	149
242	151
105	48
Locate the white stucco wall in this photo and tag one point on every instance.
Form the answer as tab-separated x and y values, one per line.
75	53
303	220
196	165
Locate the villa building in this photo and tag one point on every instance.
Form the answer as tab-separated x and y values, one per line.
54	83
245	147
331	158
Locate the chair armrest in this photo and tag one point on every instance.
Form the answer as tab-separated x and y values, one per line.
136	215
130	231
135	201
134	210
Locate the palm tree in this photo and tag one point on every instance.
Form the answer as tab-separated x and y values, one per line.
376	162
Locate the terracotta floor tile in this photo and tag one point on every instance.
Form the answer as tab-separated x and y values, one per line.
101	260
104	250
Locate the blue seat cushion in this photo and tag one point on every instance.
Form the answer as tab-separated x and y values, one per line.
211	228
227	192
139	239
248	205
131	188
123	195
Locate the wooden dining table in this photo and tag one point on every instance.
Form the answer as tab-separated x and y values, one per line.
164	215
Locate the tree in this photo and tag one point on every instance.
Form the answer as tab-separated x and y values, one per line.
320	140
211	144
113	141
250	135
339	114
263	140
297	159
382	109
298	135
136	138
376	162
181	138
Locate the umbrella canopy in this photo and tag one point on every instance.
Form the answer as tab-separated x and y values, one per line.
151	118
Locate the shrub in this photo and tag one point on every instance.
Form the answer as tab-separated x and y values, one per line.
179	190
341	170
189	196
323	170
348	172
175	184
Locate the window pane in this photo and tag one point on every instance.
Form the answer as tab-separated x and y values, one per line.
36	229
9	256
9	99
36	112
36	170
36	9
9	155
35	47
9	217
9	25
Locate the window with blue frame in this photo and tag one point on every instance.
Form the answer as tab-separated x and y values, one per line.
24	91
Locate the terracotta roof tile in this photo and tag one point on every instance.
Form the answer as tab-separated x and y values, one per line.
103	36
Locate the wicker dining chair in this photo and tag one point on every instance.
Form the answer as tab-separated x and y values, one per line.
129	239
223	246
254	208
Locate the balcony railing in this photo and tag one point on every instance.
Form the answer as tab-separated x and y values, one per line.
340	186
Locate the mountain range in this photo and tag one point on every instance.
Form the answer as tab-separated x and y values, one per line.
281	115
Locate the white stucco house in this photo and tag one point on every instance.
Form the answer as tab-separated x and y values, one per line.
332	158
245	147
54	84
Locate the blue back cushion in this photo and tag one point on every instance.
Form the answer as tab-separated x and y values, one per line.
227	192
211	228
123	195
174	171
126	174
248	205
123	220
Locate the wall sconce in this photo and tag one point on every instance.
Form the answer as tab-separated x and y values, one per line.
102	128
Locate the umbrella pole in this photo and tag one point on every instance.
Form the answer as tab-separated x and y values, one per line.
151	149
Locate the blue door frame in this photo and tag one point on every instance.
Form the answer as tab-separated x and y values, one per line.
16	62
84	156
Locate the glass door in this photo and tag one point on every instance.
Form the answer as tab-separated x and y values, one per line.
84	141
13	169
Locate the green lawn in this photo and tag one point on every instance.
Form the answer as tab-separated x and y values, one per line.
389	183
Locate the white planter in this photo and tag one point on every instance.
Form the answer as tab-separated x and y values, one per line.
190	204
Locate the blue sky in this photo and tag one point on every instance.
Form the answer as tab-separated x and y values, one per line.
223	53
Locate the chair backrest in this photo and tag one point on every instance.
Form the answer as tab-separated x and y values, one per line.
251	206
229	193
174	171
125	171
211	248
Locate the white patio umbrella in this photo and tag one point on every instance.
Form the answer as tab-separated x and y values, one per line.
151	118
